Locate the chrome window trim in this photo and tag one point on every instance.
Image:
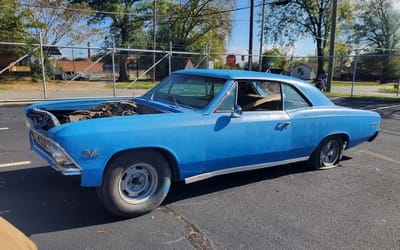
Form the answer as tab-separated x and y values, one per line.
208	175
215	109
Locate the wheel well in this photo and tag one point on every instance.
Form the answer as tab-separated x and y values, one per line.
172	162
343	137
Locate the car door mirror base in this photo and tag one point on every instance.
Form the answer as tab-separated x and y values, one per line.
237	112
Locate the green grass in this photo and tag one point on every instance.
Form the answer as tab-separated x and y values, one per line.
348	83
377	97
386	90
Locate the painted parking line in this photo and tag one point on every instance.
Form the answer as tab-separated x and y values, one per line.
3	128
380	156
14	164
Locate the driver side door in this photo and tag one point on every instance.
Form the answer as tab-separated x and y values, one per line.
249	138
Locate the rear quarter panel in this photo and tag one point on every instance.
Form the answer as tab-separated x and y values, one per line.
311	126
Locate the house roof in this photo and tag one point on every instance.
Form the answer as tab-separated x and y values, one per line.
80	66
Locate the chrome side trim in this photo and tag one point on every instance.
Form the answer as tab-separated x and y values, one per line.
204	176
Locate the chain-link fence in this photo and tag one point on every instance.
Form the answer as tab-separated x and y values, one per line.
37	71
365	74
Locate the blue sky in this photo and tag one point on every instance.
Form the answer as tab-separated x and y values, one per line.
239	42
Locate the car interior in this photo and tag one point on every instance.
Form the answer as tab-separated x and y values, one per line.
250	99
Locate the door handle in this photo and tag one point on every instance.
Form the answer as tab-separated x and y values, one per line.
282	125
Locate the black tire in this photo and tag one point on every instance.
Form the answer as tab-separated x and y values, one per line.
135	183
328	153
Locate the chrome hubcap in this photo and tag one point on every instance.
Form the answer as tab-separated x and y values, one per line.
330	153
138	183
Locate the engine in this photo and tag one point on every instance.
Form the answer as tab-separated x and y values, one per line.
106	109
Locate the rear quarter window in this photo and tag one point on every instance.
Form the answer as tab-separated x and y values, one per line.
292	99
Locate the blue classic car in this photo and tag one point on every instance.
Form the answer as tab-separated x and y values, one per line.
194	125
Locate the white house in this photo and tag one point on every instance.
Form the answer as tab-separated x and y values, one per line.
305	71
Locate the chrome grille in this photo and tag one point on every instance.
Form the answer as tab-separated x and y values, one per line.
41	141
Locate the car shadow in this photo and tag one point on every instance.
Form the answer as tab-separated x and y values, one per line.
39	200
181	191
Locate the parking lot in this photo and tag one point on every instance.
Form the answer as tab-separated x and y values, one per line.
353	206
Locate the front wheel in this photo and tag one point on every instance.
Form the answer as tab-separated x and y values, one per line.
328	153
135	183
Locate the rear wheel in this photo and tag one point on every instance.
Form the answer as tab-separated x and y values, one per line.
135	183
328	153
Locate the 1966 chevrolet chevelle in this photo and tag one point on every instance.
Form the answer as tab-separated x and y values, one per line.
194	125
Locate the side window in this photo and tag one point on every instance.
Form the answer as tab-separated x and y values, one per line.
259	95
293	99
228	104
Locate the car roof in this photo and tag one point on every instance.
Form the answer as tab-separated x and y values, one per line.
233	74
317	98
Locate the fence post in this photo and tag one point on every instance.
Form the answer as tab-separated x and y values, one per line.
291	65
42	64
113	68
208	56
170	57
354	74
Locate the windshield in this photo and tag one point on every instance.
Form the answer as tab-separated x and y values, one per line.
190	91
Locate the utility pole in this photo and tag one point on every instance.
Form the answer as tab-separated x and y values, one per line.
262	35
332	46
251	34
154	38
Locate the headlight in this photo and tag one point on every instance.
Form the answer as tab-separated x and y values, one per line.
59	157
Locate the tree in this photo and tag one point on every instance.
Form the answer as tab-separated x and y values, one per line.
127	25
377	26
304	18
15	23
274	58
61	21
192	24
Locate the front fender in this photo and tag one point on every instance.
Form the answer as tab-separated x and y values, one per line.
92	143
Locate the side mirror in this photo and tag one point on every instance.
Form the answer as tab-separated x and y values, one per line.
237	112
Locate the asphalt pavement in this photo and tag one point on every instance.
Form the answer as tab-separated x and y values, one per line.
353	206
